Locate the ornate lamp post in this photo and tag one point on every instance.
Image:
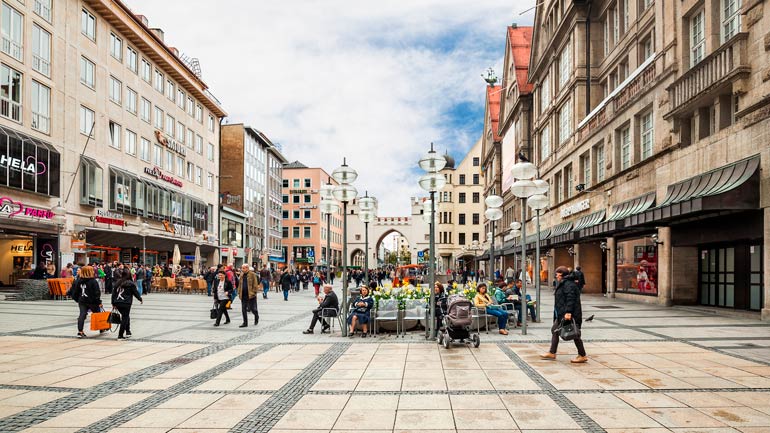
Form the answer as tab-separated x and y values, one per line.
538	202
368	213
60	218
432	181
524	188
493	213
143	232
328	207
345	193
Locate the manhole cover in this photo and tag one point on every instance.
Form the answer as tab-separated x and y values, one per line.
607	307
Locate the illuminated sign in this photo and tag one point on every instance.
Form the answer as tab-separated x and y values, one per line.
170	144
11	208
157	173
30	165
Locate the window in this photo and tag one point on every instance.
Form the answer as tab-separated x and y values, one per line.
606	25
144	150
146	70
116	47
645	4
116	90
130	142
545	143
198	175
307	198
295	199
43	9
41	107
476	218
209	150
568	181
615	25
190	106
132	60
210	181
159	116
565	65
558	188
86	120
180	132
306	214
545	93
160	84
91	183
180	97
180	166
585	167
646	134
199	113
476	197
115	134
625	148
285	232
731	18
295	214
170	164
475	178
462	179
475	236
285	198
565	122
647	48
211	123
199	146
87	72
599	157
461	219
144	111
157	155
461	238
295	232
131	98
697	38
306	232
41	50
190	138
625	15
307	182
170	90
475	161
285	183
461	198
88	25
295	182
170	125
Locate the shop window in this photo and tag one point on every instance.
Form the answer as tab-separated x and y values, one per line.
637	266
231	231
91	182
27	164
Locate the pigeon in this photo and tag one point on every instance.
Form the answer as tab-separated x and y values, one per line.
522	157
590	318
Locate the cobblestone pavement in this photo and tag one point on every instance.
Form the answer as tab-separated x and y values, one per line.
651	370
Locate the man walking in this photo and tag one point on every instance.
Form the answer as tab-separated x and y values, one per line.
580	278
247	291
264	277
566	307
510	274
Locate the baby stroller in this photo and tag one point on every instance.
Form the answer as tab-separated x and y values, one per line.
457	323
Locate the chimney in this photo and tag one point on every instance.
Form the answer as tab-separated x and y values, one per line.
159	33
143	20
174	50
514	25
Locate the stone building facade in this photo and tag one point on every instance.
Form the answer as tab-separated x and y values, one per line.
651	125
111	127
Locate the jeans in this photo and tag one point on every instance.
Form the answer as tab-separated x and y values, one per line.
222	309
249	304
265	288
125	319
502	316
208	287
286	295
84	312
140	286
578	343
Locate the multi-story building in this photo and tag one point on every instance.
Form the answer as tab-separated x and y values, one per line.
274	213
304	228
650	123
249	164
106	125
459	213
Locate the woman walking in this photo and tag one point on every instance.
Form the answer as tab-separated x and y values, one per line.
85	291
482	300
567	307
222	289
123	294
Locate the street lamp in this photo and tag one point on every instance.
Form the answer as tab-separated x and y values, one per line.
432	181
538	202
60	218
328	207
345	193
523	187
143	232
493	213
368	214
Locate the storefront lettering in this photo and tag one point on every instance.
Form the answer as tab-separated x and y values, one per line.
22	248
229	199
108	214
108	221
199	216
169	143
179	229
308	207
157	173
31	165
11	208
578	207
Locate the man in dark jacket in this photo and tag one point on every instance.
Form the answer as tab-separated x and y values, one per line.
328	307
580	278
209	276
286	282
107	278
567	307
248	285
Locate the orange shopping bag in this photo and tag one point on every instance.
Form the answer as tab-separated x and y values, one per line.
100	321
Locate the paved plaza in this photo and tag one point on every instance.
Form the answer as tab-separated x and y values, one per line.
651	370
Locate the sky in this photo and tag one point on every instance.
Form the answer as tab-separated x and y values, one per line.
372	81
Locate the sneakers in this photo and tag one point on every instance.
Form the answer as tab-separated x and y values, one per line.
579	360
504	332
120	337
308	331
128	334
81	335
548	355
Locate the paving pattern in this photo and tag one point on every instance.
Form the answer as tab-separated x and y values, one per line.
651	370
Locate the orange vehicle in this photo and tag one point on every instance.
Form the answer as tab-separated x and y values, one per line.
412	274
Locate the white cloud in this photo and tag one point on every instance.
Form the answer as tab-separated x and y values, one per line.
368	80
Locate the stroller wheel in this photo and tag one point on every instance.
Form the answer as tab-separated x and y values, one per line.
476	340
446	341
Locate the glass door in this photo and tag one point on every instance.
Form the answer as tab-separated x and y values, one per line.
755	277
717	277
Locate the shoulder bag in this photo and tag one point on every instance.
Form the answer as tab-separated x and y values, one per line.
567	330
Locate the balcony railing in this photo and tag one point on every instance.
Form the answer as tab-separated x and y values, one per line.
12	49
44	10
10	109
41	65
719	67
40	122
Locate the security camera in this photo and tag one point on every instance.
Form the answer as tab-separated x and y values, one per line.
580	187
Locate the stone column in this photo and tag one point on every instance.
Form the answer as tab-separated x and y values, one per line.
766	266
664	266
576	257
611	267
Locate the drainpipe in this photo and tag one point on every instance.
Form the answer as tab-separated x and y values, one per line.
588	60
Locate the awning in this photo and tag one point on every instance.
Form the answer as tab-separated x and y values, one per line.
589	220
563	233
620	211
707	193
121	238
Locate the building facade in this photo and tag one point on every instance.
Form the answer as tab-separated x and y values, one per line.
250	164
651	124
108	127
304	228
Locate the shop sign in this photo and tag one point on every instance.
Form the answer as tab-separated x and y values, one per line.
157	173
77	245
169	143
109	221
578	207
298	191
228	199
47	248
188	258
308	207
108	214
306	222
11	208
179	229
29	166
25	248
199	216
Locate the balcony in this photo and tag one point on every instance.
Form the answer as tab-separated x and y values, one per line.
12	49
43	9
41	65
725	65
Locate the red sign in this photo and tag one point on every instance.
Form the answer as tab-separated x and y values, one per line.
110	221
158	174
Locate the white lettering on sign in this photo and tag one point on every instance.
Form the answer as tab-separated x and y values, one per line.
575	208
184	230
108	214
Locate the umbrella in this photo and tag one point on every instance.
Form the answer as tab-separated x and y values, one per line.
248	256
197	262
176	259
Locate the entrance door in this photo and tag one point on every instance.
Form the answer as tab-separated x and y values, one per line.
731	277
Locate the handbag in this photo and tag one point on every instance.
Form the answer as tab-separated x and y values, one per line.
115	317
213	311
100	321
567	330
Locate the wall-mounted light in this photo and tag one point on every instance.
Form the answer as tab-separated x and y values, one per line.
603	245
571	251
655	240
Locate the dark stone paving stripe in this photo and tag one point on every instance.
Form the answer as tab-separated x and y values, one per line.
274	408
577	415
40	388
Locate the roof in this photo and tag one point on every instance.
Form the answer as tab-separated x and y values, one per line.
295	164
520	41
493	107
